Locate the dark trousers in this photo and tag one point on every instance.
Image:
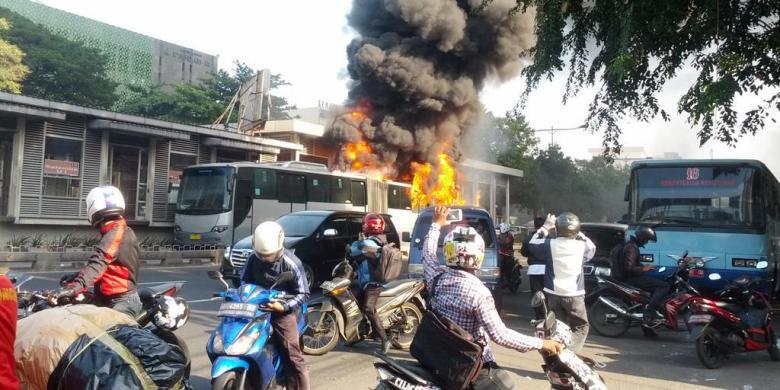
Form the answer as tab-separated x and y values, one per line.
658	288
573	312
129	303
493	377
286	339
507	264
370	295
537	284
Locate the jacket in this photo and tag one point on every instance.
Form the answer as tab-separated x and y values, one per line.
506	242
632	266
367	263
113	266
265	274
563	259
8	315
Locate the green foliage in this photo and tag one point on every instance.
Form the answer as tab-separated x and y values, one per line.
12	70
631	50
18	241
60	70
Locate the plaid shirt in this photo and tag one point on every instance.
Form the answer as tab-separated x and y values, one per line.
462	298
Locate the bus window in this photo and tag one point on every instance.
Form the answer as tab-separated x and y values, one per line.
243	195
292	188
318	188
397	198
265	184
358	193
339	190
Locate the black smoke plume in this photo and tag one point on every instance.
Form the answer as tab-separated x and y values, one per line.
417	68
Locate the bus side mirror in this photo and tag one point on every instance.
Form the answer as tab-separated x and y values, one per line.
625	194
406	237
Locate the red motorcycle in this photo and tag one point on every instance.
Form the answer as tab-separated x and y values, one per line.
614	307
739	320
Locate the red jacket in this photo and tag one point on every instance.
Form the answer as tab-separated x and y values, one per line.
114	265
7	334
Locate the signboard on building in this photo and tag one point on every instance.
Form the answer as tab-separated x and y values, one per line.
174	176
60	167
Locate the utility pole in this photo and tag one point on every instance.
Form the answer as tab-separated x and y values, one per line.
552	131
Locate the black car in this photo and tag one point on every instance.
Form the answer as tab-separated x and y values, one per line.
319	238
605	236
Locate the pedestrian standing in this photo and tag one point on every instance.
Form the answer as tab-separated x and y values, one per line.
535	266
564	283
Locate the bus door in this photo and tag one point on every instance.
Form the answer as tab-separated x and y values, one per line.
292	190
243	214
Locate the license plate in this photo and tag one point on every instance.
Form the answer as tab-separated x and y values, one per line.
194	236
700	319
237	309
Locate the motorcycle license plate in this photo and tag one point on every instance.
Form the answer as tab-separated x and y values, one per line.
194	236
700	319
237	309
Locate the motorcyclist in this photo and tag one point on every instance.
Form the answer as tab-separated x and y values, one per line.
8	315
367	252
634	273
263	267
506	251
113	266
463	298
564	280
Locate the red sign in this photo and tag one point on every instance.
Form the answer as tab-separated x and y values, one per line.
699	183
692	174
60	167
174	176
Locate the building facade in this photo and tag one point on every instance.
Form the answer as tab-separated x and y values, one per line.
52	154
133	58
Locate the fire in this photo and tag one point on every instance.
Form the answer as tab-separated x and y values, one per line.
445	191
355	150
478	198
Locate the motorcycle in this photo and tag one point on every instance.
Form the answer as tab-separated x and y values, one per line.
337	313
739	320
614	307
565	371
238	348
513	278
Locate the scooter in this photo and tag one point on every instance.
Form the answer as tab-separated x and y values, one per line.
739	320
565	371
241	356
514	278
614	307
337	313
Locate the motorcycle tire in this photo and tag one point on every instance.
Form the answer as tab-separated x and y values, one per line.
329	325
226	381
708	354
774	349
597	315
414	314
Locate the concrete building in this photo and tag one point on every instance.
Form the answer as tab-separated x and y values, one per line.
52	154
133	58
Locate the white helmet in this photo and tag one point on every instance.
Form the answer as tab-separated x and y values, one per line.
172	313
104	202
503	227
268	238
464	248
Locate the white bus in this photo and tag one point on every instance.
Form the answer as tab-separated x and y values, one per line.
219	204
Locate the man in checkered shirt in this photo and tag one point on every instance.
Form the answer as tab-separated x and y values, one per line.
462	298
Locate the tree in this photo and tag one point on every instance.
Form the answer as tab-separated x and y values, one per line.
60	69
632	49
12	70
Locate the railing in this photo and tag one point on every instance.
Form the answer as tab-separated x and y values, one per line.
52	261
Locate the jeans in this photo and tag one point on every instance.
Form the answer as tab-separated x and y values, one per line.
573	312
128	303
658	288
493	377
537	284
286	339
370	295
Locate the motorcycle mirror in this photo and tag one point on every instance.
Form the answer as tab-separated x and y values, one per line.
762	265
216	275
714	277
685	254
538	299
662	269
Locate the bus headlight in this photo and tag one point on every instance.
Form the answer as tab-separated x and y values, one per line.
219	228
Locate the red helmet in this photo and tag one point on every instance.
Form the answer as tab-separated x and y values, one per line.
373	224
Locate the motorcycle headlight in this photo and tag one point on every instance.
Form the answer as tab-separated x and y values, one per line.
602	271
216	344
243	344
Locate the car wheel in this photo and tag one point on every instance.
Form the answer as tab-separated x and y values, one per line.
310	278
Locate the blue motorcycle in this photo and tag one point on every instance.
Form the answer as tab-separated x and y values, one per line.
239	348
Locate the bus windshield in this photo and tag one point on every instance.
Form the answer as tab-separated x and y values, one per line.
725	196
205	191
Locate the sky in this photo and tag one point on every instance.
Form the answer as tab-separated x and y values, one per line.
305	41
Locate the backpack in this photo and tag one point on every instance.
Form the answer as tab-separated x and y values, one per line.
390	263
617	265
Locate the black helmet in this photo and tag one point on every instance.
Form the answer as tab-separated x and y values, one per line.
567	225
644	234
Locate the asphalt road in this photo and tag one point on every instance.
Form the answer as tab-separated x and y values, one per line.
631	362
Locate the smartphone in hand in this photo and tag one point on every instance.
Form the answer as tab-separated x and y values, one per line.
455	215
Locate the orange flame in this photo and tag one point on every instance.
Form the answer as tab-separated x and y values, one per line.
445	191
478	198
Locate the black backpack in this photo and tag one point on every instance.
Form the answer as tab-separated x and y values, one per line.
389	266
617	265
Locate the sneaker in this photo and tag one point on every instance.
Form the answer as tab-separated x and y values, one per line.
385	346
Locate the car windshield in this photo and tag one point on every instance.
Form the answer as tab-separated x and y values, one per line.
205	191
300	225
479	223
697	196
